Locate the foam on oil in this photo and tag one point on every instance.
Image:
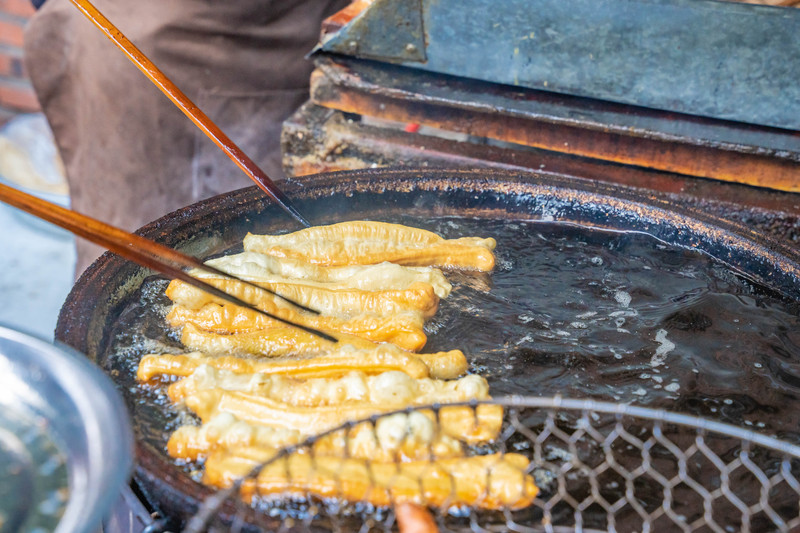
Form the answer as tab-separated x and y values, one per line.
575	311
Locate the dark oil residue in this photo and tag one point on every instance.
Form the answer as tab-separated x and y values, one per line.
572	311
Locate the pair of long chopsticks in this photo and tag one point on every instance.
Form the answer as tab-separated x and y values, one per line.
138	249
190	109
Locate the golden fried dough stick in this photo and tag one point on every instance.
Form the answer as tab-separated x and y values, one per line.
341	303
262	268
398	437
272	342
366	242
498	481
330	365
291	341
226	431
403	329
392	388
472	426
444	365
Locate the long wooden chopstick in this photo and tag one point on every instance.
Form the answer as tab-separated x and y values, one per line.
138	249
190	109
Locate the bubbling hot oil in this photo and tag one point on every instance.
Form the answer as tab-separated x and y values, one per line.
624	317
575	311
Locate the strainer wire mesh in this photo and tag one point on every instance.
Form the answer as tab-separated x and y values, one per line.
599	466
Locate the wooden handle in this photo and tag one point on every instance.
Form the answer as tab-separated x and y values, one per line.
138	249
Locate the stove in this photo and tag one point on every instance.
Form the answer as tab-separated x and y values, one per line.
430	85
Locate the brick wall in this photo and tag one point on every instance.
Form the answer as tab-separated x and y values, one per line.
16	93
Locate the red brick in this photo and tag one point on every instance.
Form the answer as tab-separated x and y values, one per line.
11	33
18	96
18	8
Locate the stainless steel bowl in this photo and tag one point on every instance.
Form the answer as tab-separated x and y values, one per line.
65	438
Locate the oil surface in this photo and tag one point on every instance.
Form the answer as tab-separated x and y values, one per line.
626	318
575	311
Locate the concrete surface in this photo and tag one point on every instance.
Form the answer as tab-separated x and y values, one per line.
37	259
37	264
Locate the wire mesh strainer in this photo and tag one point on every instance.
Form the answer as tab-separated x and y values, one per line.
598	467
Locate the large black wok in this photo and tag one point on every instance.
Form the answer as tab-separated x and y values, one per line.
106	290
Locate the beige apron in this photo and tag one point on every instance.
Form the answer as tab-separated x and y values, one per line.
131	156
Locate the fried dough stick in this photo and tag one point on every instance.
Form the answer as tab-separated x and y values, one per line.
398	437
382	276
224	430
341	303
331	365
290	341
403	329
366	242
464	423
387	388
496	482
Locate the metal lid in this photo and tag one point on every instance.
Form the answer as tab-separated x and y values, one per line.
65	438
